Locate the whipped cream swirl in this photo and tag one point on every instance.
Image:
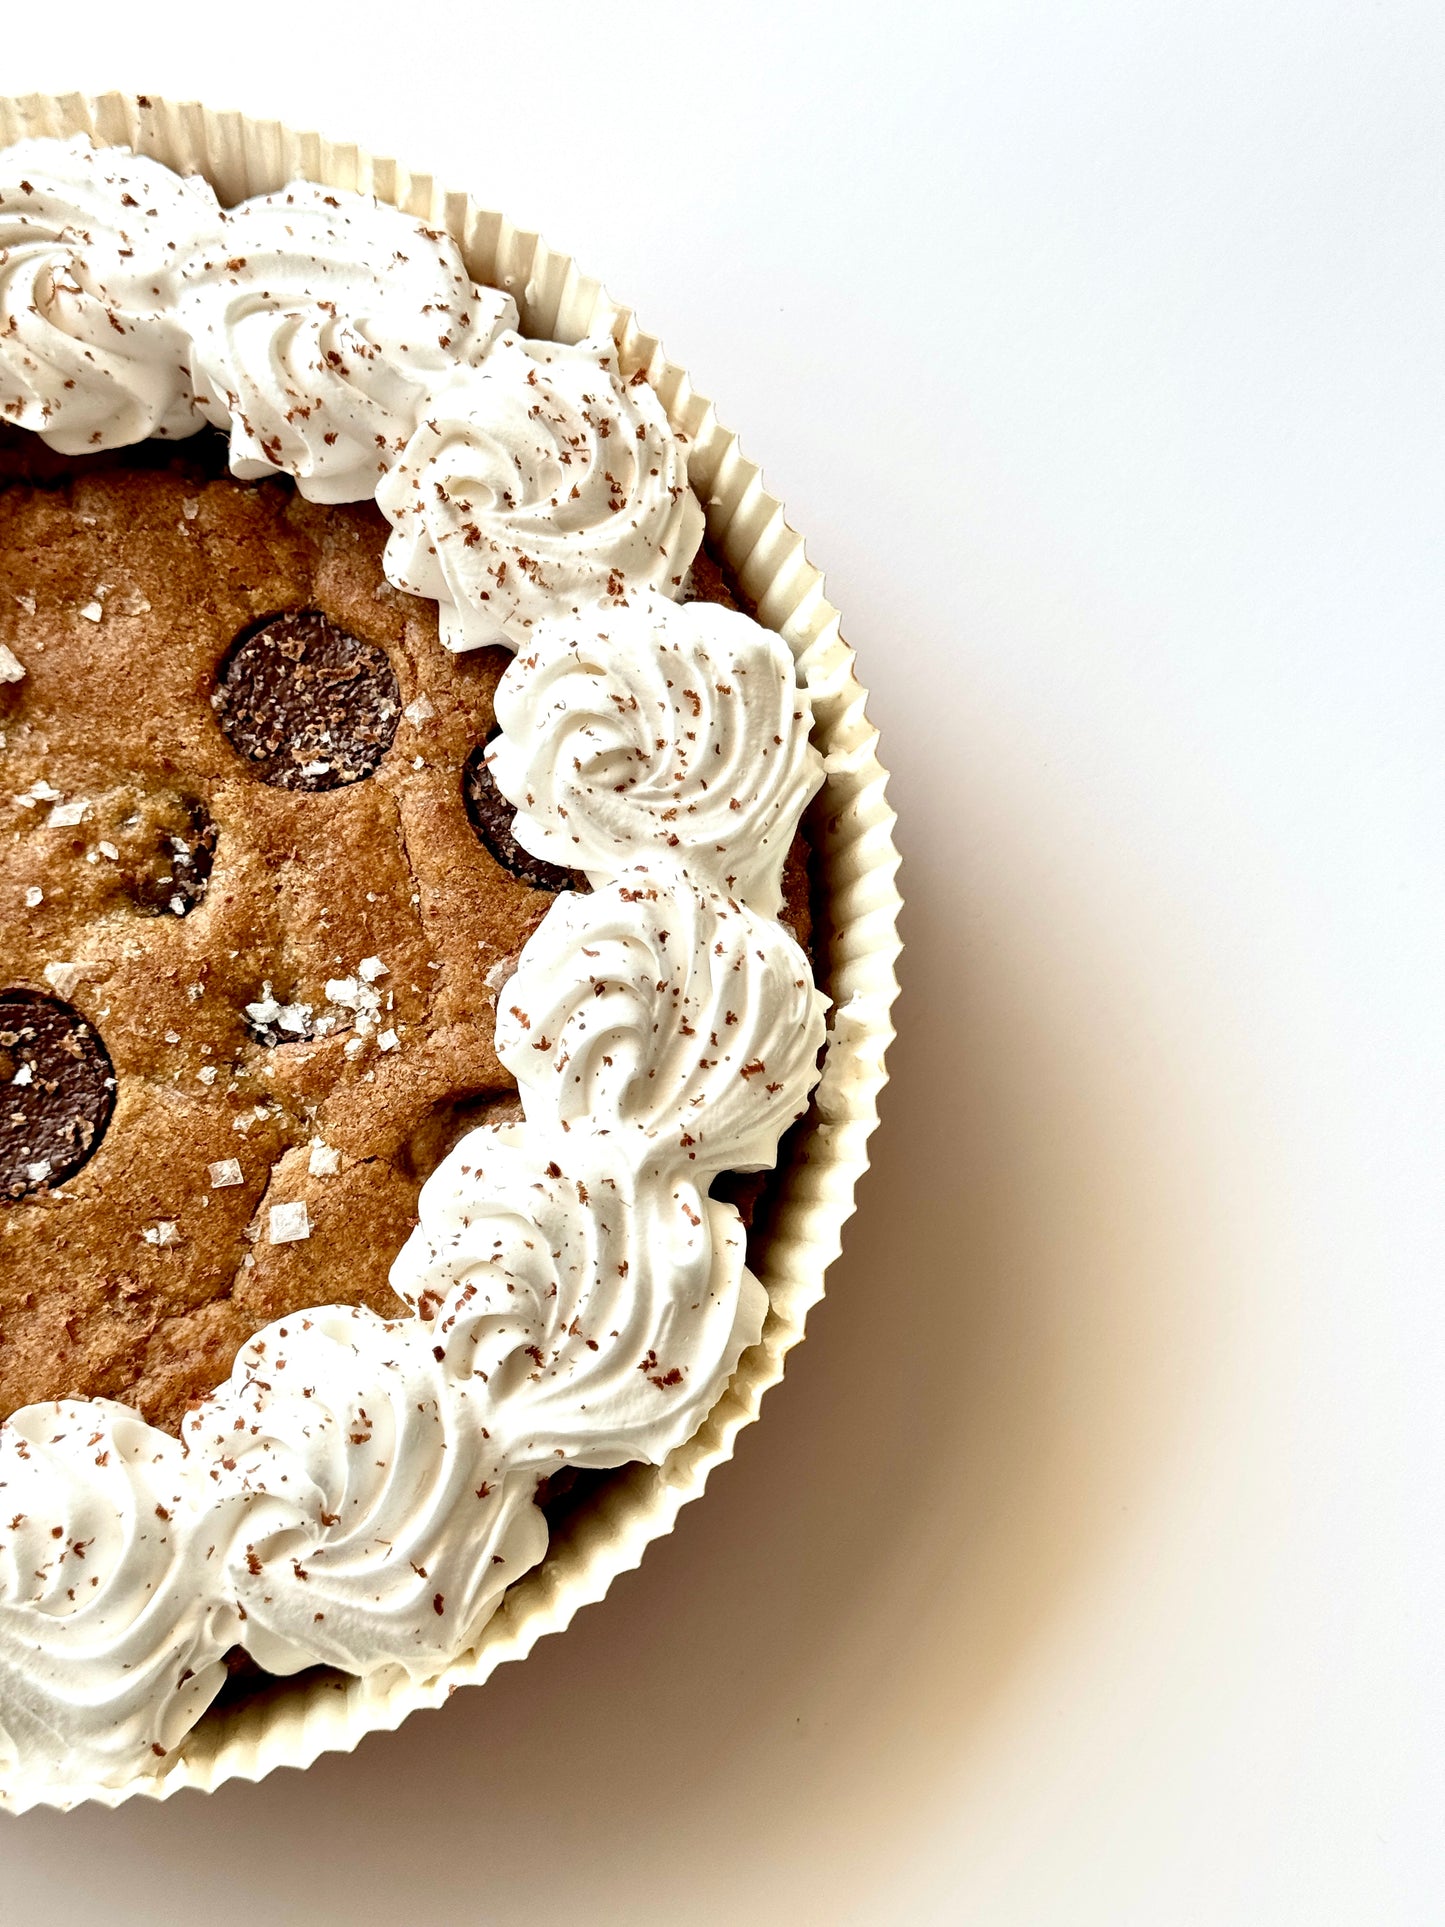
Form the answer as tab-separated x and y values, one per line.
538	484
112	1624
380	1521
658	728
91	355
320	322
660	1007
605	1307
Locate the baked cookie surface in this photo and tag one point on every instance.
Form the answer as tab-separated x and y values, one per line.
291	983
254	917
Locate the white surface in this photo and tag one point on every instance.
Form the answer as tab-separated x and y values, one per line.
1088	1568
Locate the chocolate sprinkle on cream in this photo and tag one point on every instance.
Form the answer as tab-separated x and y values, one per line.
309	706
57	1090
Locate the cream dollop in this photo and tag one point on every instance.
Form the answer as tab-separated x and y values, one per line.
658	729
539	484
380	1518
604	1306
90	354
320	322
659	1006
112	1624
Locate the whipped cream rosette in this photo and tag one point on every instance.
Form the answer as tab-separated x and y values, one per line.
603	1301
91	353
359	1491
538	484
319	323
680	730
112	1621
376	1519
659	1007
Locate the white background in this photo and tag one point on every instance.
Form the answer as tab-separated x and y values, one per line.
1088	1567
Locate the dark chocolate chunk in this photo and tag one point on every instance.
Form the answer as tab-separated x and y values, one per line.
310	706
491	817
57	1091
170	876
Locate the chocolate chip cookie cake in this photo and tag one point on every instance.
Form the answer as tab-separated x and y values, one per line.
405	952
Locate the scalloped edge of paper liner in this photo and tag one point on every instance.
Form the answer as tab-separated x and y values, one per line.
290	1726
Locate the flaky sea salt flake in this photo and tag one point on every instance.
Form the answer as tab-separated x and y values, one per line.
63	977
267	1010
38	792
12	669
223	1172
324	1161
289	1223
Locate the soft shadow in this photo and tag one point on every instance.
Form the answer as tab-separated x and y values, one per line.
952	1458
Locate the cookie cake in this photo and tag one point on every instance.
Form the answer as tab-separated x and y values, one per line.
409	965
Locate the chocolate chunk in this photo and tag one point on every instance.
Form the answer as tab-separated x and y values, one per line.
310	706
169	876
491	817
57	1091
